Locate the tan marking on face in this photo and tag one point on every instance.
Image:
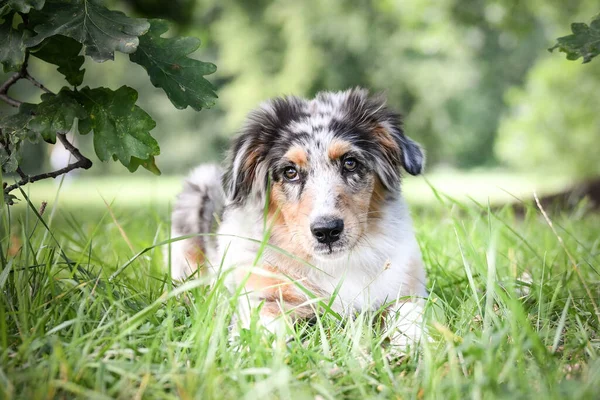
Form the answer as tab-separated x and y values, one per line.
337	148
354	209
297	155
375	206
377	196
289	222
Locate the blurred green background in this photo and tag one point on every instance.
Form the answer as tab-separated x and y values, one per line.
473	78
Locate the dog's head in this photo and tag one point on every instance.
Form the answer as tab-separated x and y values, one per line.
323	166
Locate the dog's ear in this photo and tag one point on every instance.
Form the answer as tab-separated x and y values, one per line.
413	157
249	161
397	150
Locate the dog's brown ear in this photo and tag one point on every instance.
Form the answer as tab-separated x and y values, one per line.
249	161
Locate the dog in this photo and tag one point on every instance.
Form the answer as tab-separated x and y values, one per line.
309	204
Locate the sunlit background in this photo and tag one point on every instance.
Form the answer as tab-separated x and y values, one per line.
498	115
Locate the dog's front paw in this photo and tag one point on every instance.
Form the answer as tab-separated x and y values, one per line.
260	323
405	327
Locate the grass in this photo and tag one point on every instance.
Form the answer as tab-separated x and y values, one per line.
513	314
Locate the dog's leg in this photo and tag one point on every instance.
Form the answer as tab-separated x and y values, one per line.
277	297
271	314
404	324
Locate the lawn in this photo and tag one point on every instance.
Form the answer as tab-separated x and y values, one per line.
87	310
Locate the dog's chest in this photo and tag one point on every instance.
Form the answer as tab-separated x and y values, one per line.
359	290
367	279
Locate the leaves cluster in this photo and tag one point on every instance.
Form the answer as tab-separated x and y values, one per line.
583	42
62	33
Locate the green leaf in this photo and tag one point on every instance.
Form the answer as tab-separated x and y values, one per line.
121	129
10	199
10	159
23	6
101	31
12	48
584	42
169	67
56	113
63	52
149	164
14	132
17	125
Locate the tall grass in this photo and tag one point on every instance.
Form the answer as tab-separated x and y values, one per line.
512	314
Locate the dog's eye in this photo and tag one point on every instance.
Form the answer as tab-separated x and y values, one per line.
291	174
350	164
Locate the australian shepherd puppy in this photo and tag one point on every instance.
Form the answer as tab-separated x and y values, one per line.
309	205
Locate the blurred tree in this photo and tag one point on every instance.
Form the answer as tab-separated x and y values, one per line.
445	64
553	122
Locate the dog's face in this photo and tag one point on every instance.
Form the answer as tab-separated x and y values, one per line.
323	189
324	168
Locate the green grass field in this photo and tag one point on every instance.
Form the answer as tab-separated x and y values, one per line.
513	311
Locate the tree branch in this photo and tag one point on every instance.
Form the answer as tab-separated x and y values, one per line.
9	100
36	83
21	173
85	162
12	80
22	74
53	174
82	162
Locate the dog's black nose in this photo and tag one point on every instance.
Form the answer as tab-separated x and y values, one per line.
327	230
